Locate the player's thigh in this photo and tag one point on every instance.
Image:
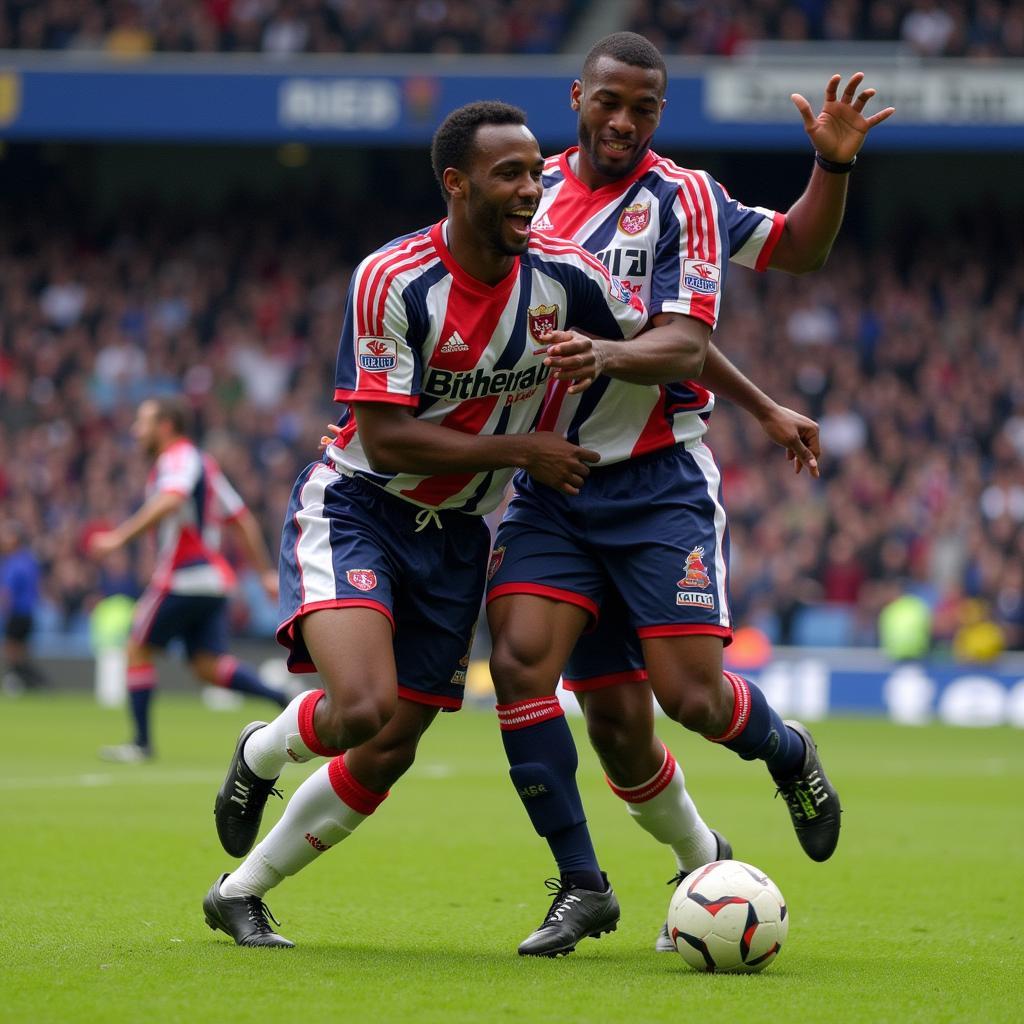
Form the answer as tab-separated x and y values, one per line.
338	582
204	630
685	674
352	650
544	590
531	638
437	607
660	528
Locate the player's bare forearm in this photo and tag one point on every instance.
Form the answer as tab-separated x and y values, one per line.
725	379
397	442
673	348
797	433
837	133
157	508
250	537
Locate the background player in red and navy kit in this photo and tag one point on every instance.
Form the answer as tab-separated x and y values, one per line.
644	546
189	502
443	366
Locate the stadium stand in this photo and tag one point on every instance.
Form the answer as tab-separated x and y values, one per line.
978	28
133	27
908	353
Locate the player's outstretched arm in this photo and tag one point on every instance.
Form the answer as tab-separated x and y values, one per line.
672	348
837	133
796	433
249	535
104	542
395	441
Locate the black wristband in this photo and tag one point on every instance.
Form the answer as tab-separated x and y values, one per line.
831	166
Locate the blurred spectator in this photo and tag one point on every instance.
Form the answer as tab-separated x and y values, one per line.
19	598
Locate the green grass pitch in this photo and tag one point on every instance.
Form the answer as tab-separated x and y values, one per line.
918	917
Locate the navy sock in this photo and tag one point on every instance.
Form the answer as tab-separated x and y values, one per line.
138	703
542	763
756	732
244	679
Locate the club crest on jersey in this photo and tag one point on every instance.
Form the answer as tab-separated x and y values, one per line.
635	218
497	557
701	276
377	355
542	320
696	571
362	579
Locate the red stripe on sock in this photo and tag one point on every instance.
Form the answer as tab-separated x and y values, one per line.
647	790
351	791
740	709
225	669
306	731
141	677
525	713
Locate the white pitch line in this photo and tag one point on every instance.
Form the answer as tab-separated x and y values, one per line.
95	780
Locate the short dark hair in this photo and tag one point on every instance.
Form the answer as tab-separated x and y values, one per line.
628	48
175	410
453	141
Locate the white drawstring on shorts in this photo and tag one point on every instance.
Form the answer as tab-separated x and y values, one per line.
425	516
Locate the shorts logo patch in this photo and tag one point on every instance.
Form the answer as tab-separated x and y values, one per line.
377	355
635	218
497	557
361	579
542	320
696	571
691	597
701	276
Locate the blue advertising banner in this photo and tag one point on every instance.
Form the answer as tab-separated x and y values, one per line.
812	684
399	101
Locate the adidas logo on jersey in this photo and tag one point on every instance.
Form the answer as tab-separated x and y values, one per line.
543	223
454	344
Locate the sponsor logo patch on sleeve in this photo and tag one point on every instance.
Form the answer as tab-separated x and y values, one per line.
701	276
376	355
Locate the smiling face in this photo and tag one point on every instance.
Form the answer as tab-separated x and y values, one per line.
502	187
619	109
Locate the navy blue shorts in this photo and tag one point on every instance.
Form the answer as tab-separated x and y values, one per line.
199	621
644	548
348	544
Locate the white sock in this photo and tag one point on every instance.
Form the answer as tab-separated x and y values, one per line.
670	815
268	750
315	819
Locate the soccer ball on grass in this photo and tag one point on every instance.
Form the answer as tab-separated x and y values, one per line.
728	917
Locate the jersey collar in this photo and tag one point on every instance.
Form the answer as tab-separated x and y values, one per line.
439	236
613	188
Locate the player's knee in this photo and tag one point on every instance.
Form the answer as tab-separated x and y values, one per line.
696	707
345	726
518	672
610	735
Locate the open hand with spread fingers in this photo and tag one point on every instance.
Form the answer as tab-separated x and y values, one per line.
839	130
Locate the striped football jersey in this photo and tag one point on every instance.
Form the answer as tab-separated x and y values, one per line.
188	540
421	332
668	234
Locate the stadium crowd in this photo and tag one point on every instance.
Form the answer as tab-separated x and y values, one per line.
284	27
977	28
909	356
928	28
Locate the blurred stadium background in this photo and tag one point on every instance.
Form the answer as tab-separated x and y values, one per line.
185	188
